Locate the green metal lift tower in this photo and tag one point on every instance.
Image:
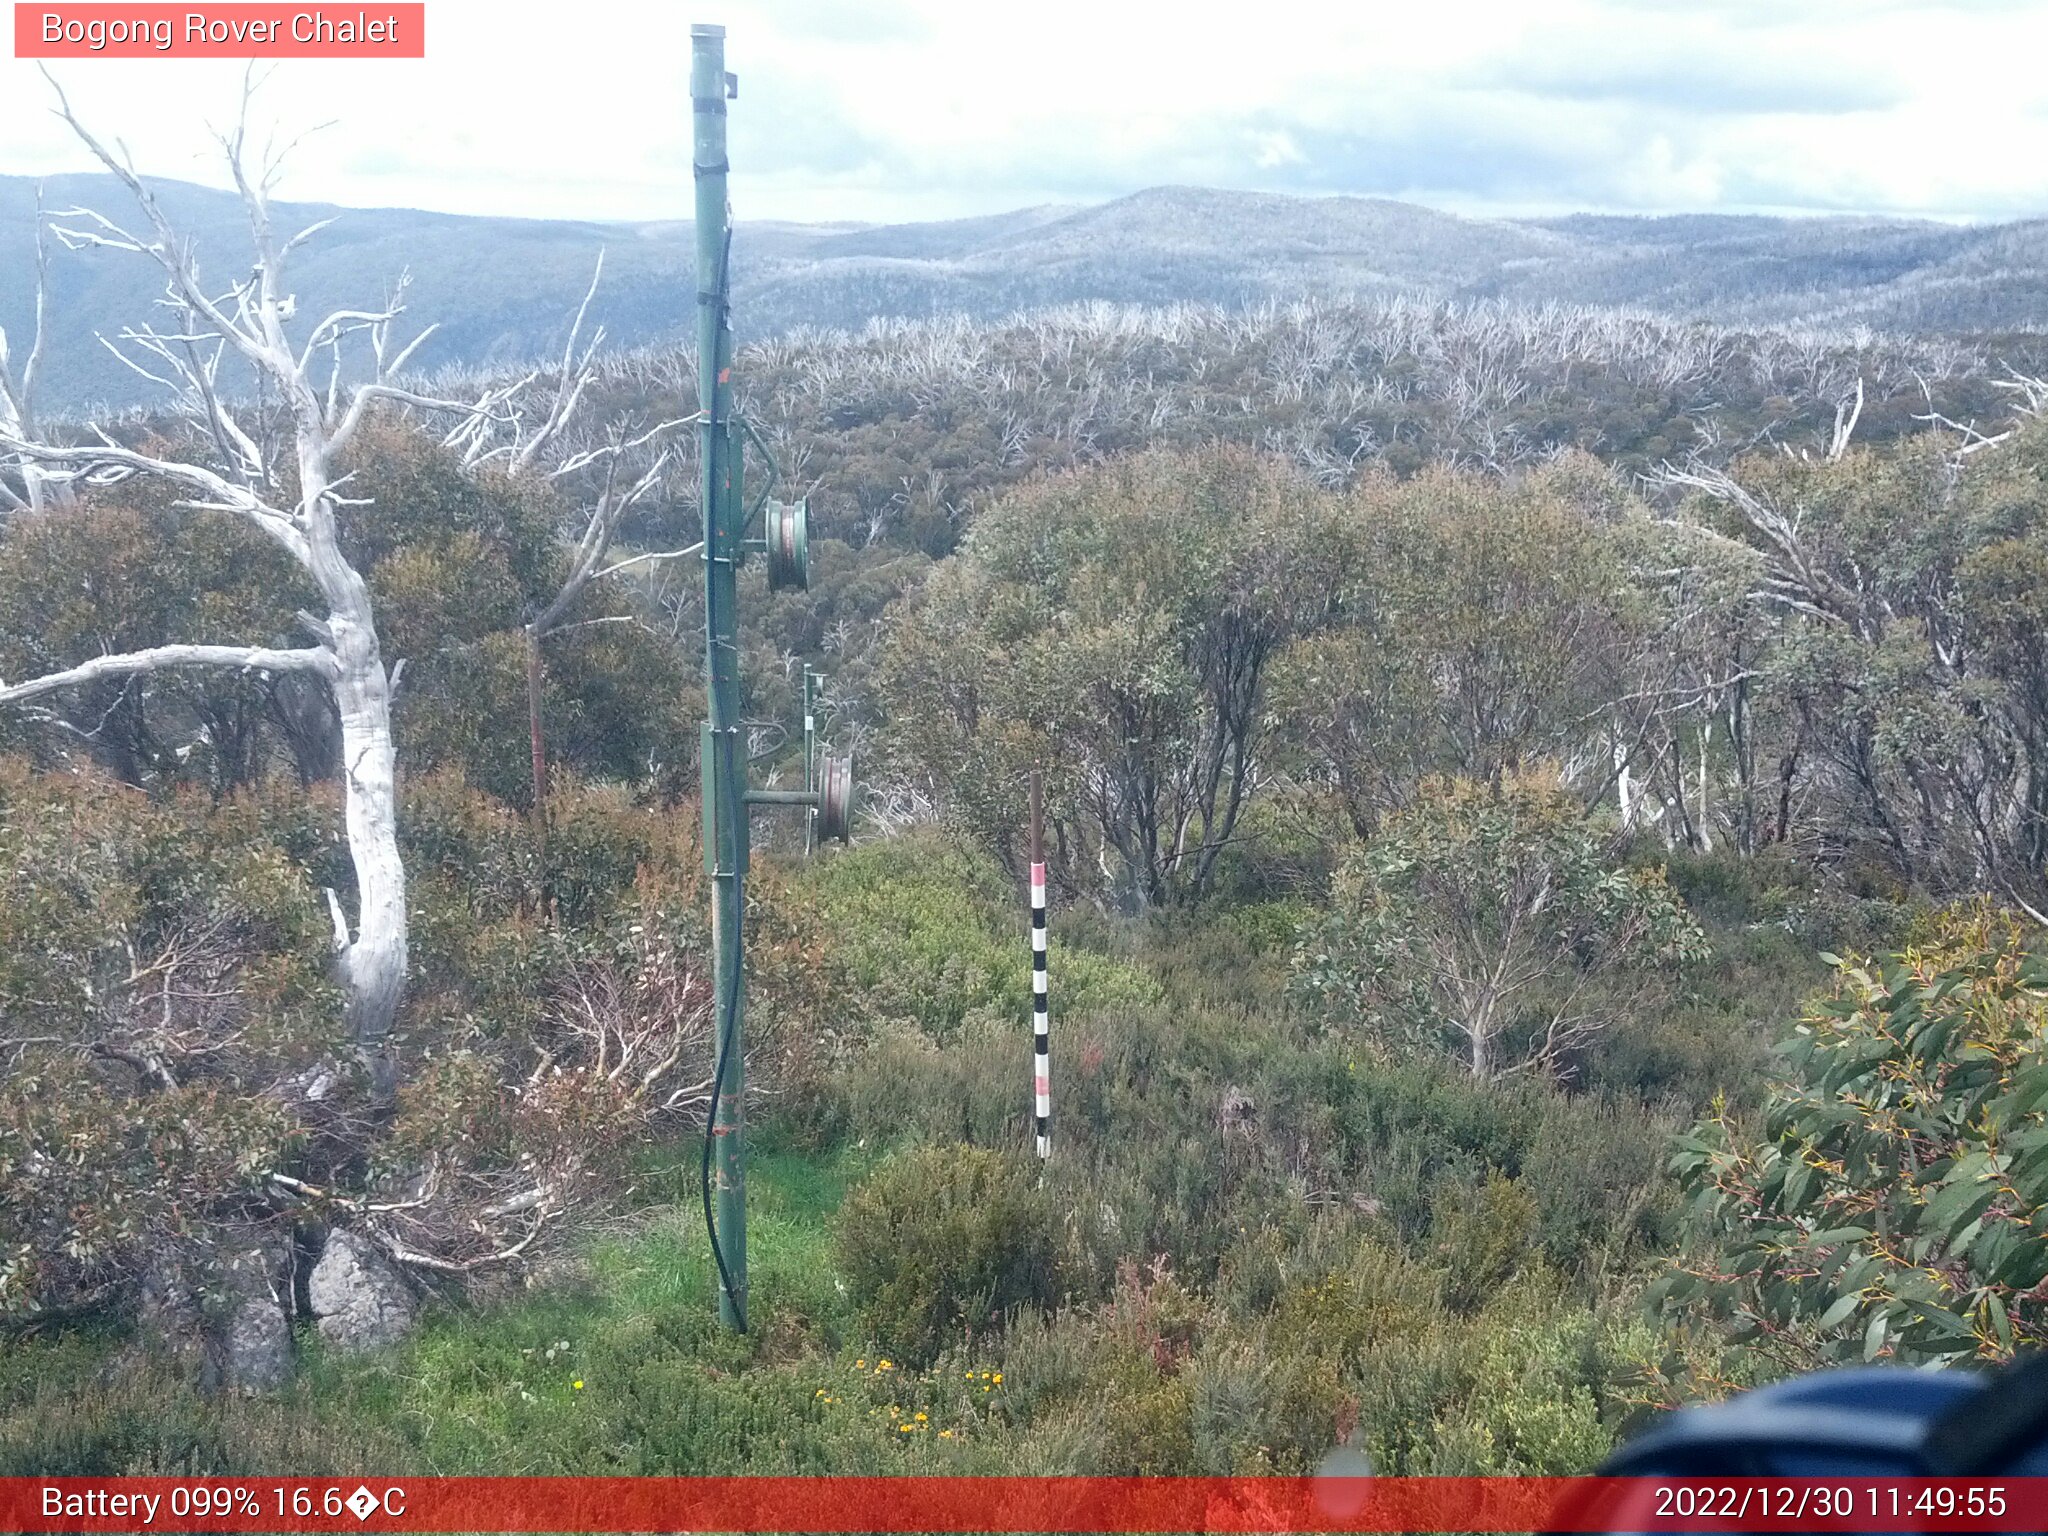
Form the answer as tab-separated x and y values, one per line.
785	541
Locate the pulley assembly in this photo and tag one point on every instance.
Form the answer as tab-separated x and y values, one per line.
786	532
835	799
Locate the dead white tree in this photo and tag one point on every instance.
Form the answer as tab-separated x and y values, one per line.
18	385
293	505
1847	414
630	463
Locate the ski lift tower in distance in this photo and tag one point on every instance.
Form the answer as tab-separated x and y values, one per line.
785	542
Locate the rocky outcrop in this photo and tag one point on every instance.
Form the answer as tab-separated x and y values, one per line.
252	1334
359	1298
172	1313
222	1319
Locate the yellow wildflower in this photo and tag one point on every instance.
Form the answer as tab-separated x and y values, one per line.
577	1385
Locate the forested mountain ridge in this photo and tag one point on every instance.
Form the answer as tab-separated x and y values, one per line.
500	287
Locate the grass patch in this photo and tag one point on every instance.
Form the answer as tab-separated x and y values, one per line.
494	1388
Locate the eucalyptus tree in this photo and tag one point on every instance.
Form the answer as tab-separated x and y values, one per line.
1495	921
1117	625
1478	625
1908	640
280	472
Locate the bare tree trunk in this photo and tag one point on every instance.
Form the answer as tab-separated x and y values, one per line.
533	725
374	960
1705	821
1744	748
1624	785
1788	766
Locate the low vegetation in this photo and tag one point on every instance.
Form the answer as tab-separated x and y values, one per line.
1256	1237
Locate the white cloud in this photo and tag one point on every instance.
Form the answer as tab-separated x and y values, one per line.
934	108
1276	148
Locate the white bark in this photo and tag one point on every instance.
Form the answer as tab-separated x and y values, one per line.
1706	834
602	523
248	320
1847	414
242	658
18	386
1624	786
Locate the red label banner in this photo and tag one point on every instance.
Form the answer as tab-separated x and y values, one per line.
380	30
1020	1504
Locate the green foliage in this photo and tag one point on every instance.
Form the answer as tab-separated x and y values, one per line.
1234	1289
1258	1236
932	934
1115	626
1477	623
1483	920
457	562
1896	1203
1482	1238
946	1242
161	967
124	571
1536	1393
165	975
1910	664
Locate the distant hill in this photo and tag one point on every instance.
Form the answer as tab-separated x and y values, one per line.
501	289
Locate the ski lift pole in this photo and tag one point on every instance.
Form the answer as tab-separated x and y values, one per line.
1041	1026
725	811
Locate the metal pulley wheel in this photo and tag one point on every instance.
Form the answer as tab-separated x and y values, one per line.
835	798
788	536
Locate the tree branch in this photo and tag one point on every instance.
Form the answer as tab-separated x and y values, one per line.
241	658
107	463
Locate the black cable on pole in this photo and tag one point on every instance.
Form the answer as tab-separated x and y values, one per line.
731	1011
725	1044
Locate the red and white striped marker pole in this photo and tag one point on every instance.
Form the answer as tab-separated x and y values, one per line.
1041	1031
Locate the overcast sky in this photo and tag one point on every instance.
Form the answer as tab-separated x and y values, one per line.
916	109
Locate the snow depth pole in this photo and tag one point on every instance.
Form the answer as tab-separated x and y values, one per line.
725	812
1041	1028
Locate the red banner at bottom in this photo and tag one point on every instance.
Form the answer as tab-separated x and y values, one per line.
1020	1504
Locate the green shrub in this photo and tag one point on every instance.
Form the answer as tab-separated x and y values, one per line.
1483	1238
1535	1387
933	934
1600	1197
945	1241
165	968
1896	1204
